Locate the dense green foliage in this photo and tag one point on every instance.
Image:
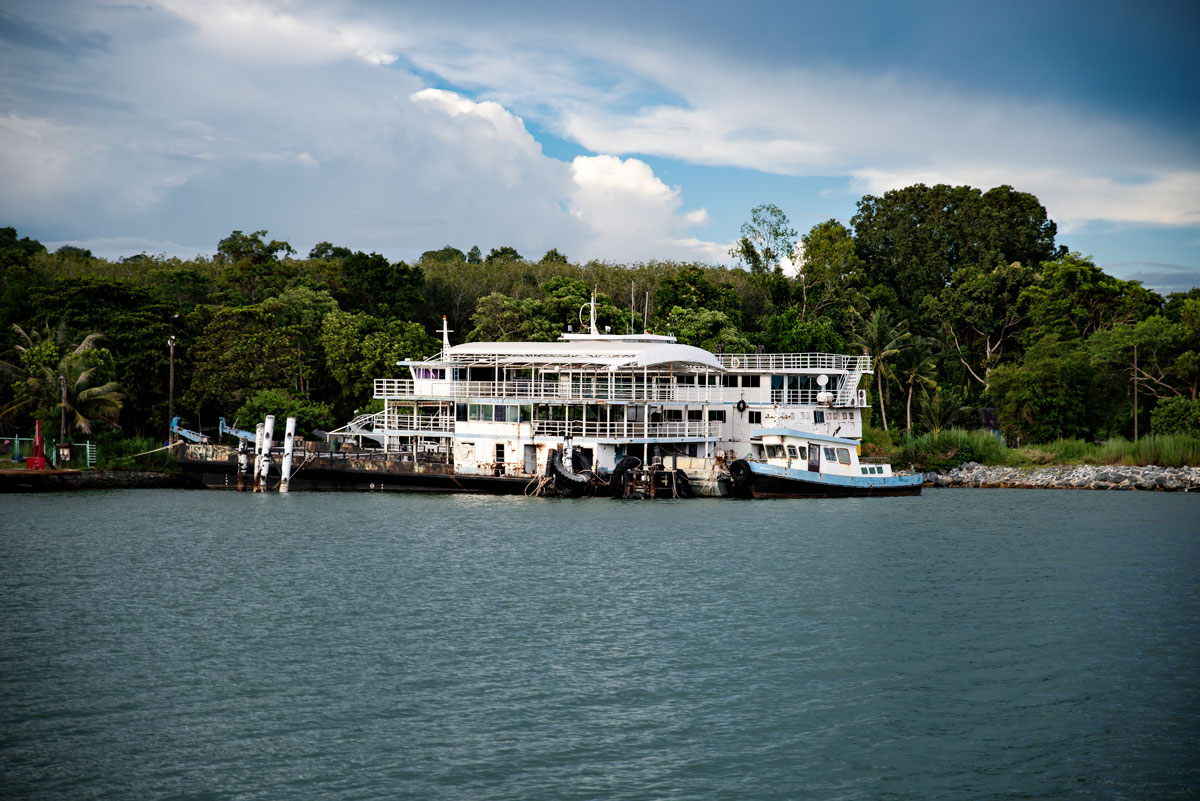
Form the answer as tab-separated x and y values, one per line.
973	313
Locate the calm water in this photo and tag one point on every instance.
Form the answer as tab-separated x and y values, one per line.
969	644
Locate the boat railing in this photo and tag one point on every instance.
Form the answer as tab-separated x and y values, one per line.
790	362
597	390
812	397
394	421
690	429
874	460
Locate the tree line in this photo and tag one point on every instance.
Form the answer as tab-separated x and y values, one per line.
974	314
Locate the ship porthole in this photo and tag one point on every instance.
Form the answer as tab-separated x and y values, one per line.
372	486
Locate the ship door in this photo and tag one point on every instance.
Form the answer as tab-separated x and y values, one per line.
814	458
530	459
499	470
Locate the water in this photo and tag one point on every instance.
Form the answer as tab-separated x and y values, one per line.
982	644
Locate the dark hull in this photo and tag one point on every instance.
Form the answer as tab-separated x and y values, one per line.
767	486
346	478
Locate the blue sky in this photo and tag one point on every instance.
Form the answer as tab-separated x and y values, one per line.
622	131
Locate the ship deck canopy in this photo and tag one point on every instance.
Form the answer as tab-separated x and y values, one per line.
602	354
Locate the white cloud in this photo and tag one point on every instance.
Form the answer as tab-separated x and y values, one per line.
255	31
630	212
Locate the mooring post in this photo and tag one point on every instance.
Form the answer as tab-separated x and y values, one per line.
243	463
268	441
258	455
289	440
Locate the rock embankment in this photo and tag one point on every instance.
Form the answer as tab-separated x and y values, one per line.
120	479
1098	477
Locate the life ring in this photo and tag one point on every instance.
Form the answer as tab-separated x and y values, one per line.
741	405
735	362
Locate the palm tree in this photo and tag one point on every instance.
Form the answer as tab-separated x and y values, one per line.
53	374
916	366
939	411
881	340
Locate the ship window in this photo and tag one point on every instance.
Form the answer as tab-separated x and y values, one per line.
525	412
696	415
717	415
843	455
500	414
864	471
830	456
818	416
729	380
777	382
775	452
616	414
460	412
754	418
687	379
635	414
792	452
673	415
480	411
750	381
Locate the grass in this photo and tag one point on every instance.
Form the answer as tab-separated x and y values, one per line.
951	447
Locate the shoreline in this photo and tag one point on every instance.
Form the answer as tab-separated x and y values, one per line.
1068	476
969	475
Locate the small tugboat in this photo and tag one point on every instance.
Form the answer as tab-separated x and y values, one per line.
786	463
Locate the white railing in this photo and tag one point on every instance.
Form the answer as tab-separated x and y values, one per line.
405	389
844	397
785	362
691	429
393	421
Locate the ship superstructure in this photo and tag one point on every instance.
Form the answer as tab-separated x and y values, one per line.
503	409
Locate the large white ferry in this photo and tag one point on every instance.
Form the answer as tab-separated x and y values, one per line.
567	416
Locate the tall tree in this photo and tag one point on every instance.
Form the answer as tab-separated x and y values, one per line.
766	240
914	239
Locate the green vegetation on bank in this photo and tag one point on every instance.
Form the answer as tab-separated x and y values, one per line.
974	315
953	446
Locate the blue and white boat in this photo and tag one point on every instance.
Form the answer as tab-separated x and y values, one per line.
787	463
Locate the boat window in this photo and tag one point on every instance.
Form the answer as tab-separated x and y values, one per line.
775	452
750	380
687	379
791	450
635	414
616	414
818	416
696	415
754	418
864	471
526	413
460	412
480	411
717	415
673	415
843	455
830	455
500	414
729	380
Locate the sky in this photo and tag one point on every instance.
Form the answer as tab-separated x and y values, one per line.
620	131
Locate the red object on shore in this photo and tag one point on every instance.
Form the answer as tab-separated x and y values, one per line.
37	461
